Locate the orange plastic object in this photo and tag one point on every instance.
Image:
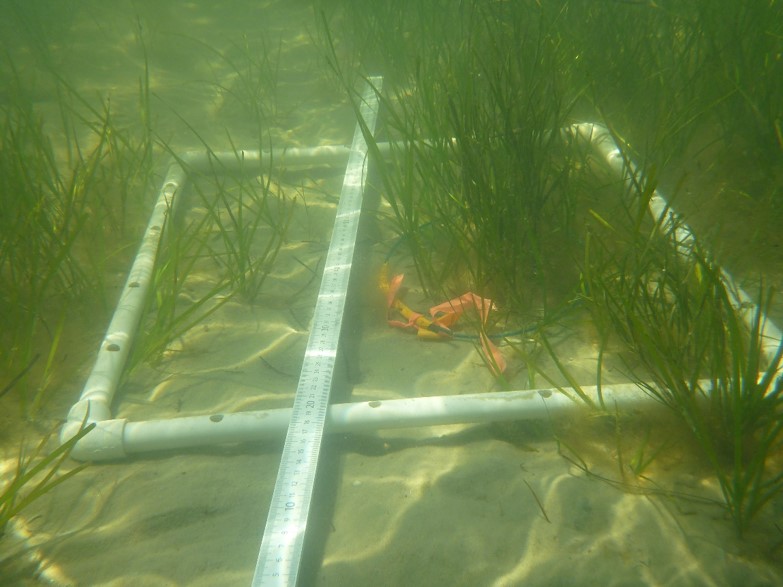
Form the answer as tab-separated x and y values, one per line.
443	316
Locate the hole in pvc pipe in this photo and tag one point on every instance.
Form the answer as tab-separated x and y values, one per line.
374	404
216	417
134	284
113	346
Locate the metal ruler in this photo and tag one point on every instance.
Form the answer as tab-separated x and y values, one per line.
281	546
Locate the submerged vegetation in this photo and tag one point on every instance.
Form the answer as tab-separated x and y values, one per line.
482	190
77	176
488	195
36	474
72	173
706	353
224	244
477	91
60	234
485	194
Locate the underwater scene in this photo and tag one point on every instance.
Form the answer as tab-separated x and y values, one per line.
529	253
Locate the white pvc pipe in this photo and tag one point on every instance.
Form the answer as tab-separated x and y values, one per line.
289	156
116	439
95	401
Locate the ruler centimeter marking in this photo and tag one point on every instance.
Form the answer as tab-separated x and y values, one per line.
281	546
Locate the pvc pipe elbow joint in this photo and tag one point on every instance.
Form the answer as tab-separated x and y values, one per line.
106	441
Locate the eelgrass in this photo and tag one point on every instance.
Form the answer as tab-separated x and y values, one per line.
88	232
36	474
249	89
59	232
670	74
71	171
251	218
744	42
225	244
471	181
673	308
479	182
169	310
223	247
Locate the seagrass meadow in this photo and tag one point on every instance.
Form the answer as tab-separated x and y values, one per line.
502	246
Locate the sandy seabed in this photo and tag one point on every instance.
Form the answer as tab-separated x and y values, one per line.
502	504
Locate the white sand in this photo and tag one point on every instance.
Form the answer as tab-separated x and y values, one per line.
436	506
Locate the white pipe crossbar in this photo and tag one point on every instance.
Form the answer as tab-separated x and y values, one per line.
120	438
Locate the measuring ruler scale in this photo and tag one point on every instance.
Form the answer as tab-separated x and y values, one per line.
281	546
